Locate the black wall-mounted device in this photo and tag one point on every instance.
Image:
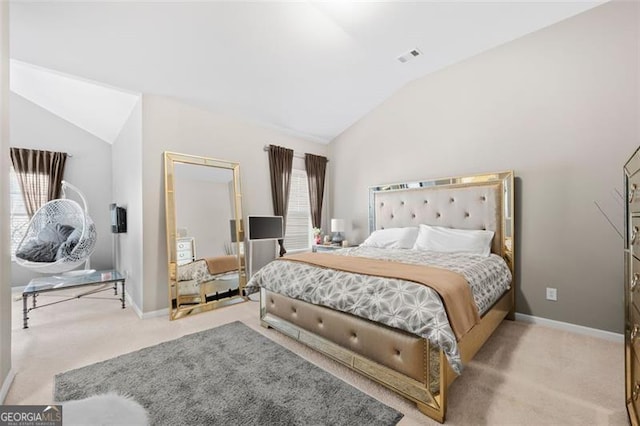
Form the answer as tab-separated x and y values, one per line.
118	219
265	227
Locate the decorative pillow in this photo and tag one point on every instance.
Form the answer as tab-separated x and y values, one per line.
437	238
403	238
55	233
69	244
38	251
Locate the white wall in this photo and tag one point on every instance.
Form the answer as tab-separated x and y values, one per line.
169	125
88	169
5	291
127	192
560	108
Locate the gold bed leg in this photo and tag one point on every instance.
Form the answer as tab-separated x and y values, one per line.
264	324
438	408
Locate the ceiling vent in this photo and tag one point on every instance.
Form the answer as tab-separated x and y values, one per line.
413	53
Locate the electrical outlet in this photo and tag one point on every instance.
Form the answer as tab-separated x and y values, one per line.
552	294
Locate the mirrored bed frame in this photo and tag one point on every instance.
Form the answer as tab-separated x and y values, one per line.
405	363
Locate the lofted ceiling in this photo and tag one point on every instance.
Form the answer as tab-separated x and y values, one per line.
308	68
100	110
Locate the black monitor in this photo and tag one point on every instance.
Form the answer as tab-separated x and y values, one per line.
265	228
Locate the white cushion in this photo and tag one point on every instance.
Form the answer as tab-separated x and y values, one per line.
403	238
437	238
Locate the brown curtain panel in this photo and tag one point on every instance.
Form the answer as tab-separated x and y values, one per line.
316	167
39	175
280	165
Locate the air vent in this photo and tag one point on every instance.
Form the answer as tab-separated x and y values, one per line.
409	55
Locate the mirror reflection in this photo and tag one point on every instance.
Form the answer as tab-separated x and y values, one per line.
206	253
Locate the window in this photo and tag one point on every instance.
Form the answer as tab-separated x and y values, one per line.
19	216
298	235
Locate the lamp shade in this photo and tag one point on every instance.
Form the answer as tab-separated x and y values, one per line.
337	225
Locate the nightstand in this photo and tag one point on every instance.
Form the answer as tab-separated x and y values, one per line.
317	248
185	250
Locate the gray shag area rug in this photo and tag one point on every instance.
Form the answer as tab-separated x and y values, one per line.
229	375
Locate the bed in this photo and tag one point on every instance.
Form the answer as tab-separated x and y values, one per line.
206	279
349	306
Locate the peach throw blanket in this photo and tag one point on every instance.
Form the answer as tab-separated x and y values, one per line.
221	264
451	286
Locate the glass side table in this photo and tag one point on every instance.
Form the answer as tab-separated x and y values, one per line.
65	282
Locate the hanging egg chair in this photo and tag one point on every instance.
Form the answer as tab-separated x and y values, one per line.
59	237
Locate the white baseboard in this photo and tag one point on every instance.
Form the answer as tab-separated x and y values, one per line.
4	390
145	315
159	313
574	328
133	305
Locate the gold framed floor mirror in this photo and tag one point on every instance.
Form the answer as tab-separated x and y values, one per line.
205	235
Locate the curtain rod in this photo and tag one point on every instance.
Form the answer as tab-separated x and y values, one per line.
295	154
68	155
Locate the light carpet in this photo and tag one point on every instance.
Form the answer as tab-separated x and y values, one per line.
524	375
228	375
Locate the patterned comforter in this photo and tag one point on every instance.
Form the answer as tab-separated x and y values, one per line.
393	302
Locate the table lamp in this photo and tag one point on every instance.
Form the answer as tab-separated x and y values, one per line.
337	228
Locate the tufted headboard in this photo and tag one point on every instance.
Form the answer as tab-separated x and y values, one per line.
467	202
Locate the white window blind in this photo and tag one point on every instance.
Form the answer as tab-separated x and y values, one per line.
19	216
298	235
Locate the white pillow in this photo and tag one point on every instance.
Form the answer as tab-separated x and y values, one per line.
437	238
403	238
